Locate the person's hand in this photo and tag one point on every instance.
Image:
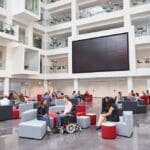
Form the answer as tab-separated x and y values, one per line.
103	115
45	115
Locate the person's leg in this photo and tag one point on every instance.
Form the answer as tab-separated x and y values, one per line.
48	121
59	119
100	120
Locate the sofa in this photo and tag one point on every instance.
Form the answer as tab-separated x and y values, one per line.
30	127
6	112
56	109
25	107
135	106
125	126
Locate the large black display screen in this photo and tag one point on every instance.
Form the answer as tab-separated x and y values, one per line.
107	53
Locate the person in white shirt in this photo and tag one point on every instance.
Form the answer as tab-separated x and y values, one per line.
68	108
4	102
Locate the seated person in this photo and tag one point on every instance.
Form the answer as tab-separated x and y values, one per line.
85	95
42	114
131	97
47	99
68	108
111	115
5	101
73	96
119	98
105	104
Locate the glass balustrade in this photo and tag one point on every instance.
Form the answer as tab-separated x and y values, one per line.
57	69
142	30
8	29
55	20
31	61
56	43
99	9
51	1
3	3
59	20
139	2
33	6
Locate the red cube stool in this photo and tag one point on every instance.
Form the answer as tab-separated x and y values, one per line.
80	114
54	118
108	130
15	113
81	109
92	118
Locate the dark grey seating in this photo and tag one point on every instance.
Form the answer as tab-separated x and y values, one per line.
135	106
128	105
141	107
5	112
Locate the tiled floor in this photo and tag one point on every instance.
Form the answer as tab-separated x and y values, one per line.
88	139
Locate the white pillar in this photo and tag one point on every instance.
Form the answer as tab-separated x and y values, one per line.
74	16
29	35
6	87
76	85
45	86
127	18
148	84
130	84
126	4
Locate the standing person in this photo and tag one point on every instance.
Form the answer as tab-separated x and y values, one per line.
68	108
111	115
42	114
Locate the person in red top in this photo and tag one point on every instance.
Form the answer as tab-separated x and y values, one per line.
86	95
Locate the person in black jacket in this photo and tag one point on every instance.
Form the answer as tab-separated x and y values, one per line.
110	115
42	114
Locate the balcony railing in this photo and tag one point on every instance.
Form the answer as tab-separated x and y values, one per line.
55	20
8	29
51	1
57	69
3	3
91	11
142	30
56	43
33	6
139	2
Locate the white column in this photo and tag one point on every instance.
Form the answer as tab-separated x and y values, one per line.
127	21
6	87
127	18
45	86
126	4
29	35
148	84
76	85
74	16
45	41
130	84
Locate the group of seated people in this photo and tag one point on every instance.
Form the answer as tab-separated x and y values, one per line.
14	99
133	96
43	113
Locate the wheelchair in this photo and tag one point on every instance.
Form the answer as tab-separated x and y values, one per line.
69	124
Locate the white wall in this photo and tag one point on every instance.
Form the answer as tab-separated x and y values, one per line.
103	87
